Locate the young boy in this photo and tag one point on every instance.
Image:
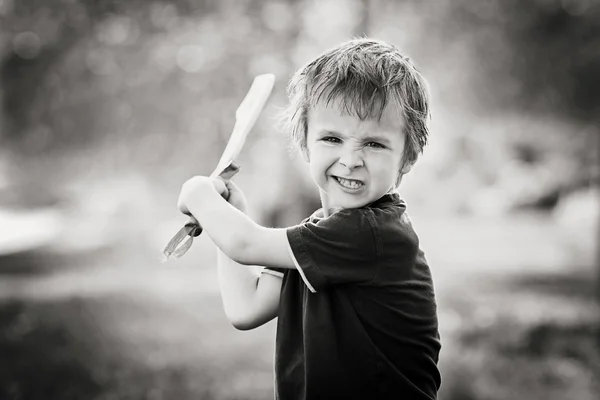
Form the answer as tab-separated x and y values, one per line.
350	287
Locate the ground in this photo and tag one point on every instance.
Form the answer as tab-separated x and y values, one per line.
114	322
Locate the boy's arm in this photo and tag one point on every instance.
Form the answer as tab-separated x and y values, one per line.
237	235
250	299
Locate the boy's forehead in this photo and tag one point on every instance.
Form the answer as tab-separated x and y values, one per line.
336	112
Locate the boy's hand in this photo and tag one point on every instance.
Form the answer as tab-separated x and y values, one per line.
236	197
195	189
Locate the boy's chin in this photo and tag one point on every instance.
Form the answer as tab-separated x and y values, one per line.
345	201
335	199
345	204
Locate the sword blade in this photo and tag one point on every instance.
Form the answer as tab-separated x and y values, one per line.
245	116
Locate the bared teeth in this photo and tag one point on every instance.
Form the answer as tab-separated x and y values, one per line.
349	183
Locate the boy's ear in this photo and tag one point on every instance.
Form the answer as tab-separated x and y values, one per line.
406	167
305	155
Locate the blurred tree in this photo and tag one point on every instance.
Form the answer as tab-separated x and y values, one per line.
550	48
38	37
552	51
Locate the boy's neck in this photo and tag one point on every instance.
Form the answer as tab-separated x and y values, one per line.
327	211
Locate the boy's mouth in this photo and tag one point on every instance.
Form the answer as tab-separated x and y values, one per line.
351	184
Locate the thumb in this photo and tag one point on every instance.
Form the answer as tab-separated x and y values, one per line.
221	187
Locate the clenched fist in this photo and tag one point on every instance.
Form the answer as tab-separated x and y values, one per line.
195	190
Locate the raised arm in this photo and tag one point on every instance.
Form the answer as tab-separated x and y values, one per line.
236	234
250	299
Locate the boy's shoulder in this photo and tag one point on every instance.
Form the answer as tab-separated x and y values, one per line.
385	218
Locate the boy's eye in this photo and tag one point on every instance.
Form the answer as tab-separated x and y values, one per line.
375	145
331	139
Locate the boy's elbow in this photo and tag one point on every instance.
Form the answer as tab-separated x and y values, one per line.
243	326
240	315
242	323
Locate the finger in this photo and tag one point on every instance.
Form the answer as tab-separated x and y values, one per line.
221	187
232	187
183	208
197	228
192	221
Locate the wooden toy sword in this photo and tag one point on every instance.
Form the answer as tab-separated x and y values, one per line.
245	117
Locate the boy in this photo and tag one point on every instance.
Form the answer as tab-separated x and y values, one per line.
350	287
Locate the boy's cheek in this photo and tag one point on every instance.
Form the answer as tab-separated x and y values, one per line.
318	173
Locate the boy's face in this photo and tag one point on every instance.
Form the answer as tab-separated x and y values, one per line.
353	162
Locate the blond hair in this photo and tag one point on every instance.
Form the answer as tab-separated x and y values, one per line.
362	76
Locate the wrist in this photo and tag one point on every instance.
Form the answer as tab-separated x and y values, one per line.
242	207
202	198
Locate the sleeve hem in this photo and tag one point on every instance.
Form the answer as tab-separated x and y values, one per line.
272	272
307	269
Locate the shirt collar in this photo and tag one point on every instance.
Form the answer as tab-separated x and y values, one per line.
388	199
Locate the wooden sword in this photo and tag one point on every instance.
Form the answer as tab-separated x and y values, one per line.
245	118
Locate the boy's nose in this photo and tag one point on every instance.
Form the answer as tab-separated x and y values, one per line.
351	159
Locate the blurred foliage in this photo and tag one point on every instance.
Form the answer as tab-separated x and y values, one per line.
152	86
77	73
544	53
157	82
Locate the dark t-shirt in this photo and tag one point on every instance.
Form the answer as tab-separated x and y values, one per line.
357	318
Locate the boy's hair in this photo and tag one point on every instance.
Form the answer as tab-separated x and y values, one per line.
363	76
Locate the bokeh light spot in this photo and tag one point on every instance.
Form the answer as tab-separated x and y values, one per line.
6	6
163	15
270	63
277	16
114	31
575	7
101	62
163	56
27	45
191	58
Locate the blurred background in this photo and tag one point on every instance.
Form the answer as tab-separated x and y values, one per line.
107	107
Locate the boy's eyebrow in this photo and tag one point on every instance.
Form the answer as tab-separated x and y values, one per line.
323	132
375	138
370	138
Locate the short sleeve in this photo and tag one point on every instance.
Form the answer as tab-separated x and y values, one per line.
335	250
279	272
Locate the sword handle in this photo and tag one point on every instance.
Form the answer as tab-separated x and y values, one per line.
192	228
227	174
196	227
